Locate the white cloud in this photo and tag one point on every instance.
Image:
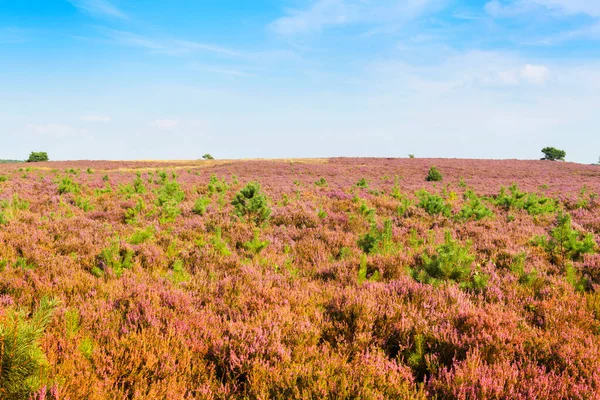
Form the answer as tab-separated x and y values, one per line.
590	7
507	9
54	130
536	74
322	14
164	124
11	35
99	8
164	46
95	118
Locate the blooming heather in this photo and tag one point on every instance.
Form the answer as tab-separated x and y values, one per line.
167	287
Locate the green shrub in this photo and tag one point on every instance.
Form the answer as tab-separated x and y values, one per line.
138	185
553	154
133	213
179	273
378	240
566	243
208	157
433	204
83	203
24	364
38	156
3	178
86	348
200	205
216	185
169	196
532	203
219	244
321	182
141	235
363	272
367	212
473	208
434	175
362	183
450	262
255	246
115	257
67	185
574	278
250	203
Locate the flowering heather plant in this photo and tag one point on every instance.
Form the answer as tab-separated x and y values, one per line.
173	281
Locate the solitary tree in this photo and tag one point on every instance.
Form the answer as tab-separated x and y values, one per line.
208	157
38	156
553	154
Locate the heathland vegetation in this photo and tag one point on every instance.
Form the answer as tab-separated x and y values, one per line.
341	278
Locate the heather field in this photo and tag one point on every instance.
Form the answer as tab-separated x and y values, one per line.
308	279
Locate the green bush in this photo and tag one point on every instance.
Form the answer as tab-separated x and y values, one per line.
133	213
219	244
83	203
115	257
141	235
321	182
553	154
256	245
433	204
208	157
39	156
216	185
367	212
138	185
362	183
250	203
566	243
67	185
377	240
169	196
533	203
24	364
200	205
450	262
473	208
363	272
434	175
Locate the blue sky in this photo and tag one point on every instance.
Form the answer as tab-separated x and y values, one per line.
155	79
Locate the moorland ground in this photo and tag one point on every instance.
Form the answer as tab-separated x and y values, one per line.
327	278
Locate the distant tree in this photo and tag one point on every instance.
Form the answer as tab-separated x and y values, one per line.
208	157
411	156
38	156
434	175
553	154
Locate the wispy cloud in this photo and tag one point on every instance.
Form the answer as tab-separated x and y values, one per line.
322	14
12	35
164	45
220	69
101	8
165	124
95	118
512	8
54	130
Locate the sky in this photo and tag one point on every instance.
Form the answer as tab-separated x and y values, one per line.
155	79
